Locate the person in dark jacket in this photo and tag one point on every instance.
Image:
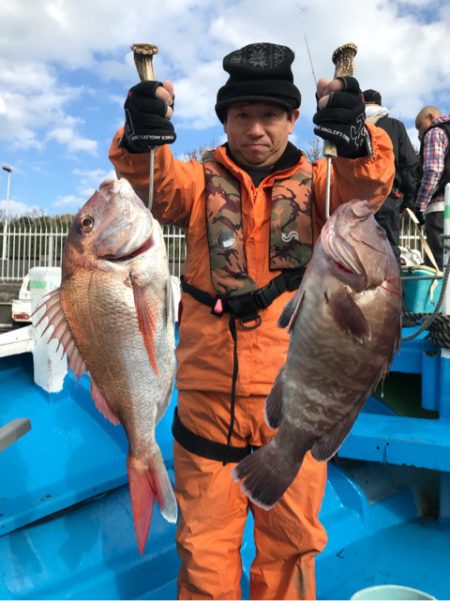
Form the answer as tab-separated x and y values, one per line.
434	135
403	192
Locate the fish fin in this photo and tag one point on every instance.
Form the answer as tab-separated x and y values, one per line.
142	495
274	403
147	484
163	406
266	474
102	404
48	301
75	361
61	331
290	311
167	501
349	316
147	317
328	444
53	313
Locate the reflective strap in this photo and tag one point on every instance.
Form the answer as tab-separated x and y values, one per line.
207	448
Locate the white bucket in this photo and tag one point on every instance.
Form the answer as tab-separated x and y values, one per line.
392	592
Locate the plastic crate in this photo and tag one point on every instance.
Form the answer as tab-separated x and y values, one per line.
421	295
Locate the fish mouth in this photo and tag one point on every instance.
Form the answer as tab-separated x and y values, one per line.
343	268
139	251
344	259
342	254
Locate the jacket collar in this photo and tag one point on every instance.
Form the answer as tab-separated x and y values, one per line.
291	157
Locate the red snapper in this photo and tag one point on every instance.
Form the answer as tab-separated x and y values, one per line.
113	315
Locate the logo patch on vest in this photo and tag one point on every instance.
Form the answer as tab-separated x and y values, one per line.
289	237
291	226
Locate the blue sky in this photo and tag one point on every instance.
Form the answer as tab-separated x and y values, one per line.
66	65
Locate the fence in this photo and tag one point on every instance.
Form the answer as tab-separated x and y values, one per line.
39	241
410	238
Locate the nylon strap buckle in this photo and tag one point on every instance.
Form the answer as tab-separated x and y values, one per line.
245	308
264	297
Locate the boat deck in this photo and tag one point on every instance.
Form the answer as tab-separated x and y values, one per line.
414	553
66	529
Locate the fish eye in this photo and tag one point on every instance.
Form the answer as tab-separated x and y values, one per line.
86	224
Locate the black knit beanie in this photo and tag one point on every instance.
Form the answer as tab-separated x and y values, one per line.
372	97
259	72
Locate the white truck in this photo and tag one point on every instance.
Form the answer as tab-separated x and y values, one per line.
21	306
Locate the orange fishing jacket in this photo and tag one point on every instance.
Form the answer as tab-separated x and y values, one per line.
205	349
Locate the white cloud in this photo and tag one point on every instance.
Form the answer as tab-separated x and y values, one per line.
193	37
70	202
88	182
68	137
17	209
31	101
390	57
66	64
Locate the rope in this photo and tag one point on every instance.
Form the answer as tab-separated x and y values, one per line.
440	331
440	322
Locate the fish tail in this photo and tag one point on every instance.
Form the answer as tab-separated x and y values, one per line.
149	483
267	473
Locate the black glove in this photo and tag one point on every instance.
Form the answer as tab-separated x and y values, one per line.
342	121
145	123
420	216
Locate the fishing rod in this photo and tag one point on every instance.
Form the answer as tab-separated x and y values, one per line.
343	59
310	59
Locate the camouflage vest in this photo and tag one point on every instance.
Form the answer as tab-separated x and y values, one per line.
290	227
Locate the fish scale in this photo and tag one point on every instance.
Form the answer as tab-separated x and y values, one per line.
116	355
114	319
344	323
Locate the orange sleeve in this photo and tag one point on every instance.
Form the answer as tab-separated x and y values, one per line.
176	183
367	178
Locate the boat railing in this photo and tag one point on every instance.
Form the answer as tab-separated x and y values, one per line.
38	241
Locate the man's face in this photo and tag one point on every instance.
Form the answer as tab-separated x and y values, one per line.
258	132
423	125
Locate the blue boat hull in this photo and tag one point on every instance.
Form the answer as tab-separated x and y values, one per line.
67	530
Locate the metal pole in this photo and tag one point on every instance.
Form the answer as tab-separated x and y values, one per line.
444	409
5	253
50	251
446	247
328	188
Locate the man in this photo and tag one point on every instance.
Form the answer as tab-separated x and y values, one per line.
403	192
434	135
251	211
